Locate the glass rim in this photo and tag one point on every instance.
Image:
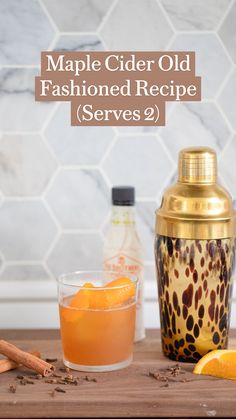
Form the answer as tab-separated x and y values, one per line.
132	276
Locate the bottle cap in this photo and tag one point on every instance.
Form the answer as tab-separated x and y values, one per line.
197	165
123	195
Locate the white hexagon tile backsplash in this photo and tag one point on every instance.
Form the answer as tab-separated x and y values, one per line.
76	145
25	31
144	26
55	179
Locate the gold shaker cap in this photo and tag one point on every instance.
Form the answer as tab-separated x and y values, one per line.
197	165
196	207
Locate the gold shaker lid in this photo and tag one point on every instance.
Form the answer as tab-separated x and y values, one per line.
196	207
197	165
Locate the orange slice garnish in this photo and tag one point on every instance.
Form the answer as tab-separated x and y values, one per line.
219	363
104	298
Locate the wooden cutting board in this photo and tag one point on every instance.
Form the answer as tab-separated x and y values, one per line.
127	393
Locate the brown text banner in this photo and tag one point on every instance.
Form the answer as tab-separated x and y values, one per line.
118	88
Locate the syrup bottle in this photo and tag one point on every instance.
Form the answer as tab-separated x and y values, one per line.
122	249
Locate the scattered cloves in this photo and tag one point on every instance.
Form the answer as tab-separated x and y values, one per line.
168	375
61	380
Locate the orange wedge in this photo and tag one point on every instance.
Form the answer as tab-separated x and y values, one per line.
219	363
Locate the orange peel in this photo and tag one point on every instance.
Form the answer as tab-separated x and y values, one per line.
124	290
82	297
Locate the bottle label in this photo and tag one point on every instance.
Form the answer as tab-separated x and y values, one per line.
123	263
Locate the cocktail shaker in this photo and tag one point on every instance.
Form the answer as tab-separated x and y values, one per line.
195	259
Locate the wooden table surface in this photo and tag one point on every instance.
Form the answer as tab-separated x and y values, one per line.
127	393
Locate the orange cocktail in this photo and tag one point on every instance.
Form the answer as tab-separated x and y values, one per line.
97	315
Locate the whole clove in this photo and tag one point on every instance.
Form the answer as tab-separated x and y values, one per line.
64	369
86	378
29	381
50	360
22	382
52	393
70	380
25	381
158	376
62	381
35	377
51	381
12	388
175	370
155	375
60	390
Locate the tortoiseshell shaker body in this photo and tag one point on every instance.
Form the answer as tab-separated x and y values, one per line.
195	259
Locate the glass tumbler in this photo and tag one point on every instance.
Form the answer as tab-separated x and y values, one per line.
97	319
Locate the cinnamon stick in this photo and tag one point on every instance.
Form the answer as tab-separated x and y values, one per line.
26	359
7	364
